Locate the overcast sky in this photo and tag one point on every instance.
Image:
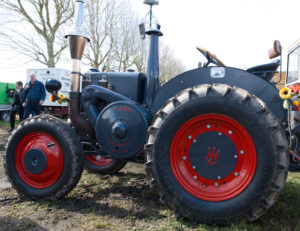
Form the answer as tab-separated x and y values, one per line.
239	32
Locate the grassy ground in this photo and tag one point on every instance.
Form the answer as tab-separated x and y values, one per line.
3	125
126	202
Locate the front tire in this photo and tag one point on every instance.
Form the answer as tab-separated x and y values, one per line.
5	117
43	158
217	154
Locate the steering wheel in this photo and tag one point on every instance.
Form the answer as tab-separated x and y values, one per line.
210	57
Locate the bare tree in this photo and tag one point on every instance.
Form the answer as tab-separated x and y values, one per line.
115	41
35	28
101	20
170	66
129	49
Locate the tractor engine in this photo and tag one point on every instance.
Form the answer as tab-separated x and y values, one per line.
120	123
121	129
130	84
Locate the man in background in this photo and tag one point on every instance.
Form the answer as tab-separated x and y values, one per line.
17	105
35	96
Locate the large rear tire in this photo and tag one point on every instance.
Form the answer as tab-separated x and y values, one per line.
217	154
43	158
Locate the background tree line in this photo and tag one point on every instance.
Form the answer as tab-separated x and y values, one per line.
35	30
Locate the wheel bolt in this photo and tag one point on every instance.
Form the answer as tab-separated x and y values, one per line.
219	177
194	167
217	184
98	157
236	174
230	132
242	152
235	156
195	177
208	125
194	141
184	157
219	133
189	137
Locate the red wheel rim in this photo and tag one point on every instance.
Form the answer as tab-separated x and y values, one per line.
199	186
53	152
98	160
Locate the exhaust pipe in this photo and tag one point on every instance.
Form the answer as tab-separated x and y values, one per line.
78	36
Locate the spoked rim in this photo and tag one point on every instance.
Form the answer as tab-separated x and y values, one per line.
39	160
221	166
98	160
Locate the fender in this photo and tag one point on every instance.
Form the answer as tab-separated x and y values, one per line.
225	75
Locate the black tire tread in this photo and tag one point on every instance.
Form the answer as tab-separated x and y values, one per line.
242	97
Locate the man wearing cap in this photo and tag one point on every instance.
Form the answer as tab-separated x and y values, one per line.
35	96
17	105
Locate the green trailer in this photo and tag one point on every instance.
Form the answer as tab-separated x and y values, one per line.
6	97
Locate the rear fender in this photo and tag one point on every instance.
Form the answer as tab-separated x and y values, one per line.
225	75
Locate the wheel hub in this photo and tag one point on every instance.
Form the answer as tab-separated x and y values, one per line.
213	155
39	160
35	161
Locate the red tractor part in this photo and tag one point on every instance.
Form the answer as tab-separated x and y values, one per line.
39	160
205	171
102	165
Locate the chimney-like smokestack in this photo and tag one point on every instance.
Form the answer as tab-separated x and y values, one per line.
78	36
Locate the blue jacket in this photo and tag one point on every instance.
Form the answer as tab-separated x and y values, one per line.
35	92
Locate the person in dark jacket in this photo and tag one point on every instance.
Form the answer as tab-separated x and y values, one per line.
35	96
17	105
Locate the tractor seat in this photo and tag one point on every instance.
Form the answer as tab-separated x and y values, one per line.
265	71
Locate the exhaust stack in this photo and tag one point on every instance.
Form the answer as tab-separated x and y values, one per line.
78	36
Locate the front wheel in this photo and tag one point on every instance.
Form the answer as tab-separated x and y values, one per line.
5	116
217	154
43	158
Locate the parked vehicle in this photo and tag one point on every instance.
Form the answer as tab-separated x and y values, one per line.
215	140
62	75
293	84
7	91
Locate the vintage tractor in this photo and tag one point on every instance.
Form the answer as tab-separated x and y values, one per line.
215	140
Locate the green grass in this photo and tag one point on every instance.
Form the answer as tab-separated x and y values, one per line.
125	202
4	124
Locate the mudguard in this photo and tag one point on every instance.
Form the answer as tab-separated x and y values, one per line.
225	75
